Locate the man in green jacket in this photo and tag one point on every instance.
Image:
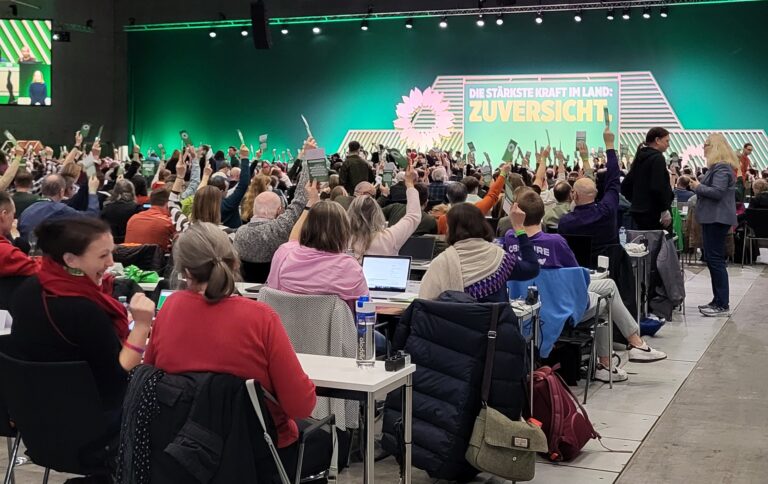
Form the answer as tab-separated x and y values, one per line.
355	169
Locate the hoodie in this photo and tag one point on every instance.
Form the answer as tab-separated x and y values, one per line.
647	184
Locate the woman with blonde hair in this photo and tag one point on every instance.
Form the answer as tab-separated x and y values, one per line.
369	232
716	212
259	184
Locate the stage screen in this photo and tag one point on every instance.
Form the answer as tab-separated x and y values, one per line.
535	113
25	62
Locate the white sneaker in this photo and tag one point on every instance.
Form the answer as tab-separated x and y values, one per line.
618	374
645	354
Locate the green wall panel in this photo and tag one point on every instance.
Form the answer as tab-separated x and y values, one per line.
709	60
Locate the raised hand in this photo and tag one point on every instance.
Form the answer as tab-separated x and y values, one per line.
609	139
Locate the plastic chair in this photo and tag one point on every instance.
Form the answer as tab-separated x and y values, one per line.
57	408
756	229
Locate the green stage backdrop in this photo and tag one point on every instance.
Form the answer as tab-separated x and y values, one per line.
709	60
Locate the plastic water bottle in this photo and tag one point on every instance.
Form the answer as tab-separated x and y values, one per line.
124	301
365	318
622	236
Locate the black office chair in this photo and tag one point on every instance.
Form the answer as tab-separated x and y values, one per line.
581	245
147	257
8	286
57	409
756	229
6	429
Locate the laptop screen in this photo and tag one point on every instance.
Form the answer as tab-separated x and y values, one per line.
420	248
386	273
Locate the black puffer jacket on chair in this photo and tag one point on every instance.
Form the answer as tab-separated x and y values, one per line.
447	340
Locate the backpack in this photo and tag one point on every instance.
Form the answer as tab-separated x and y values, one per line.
564	420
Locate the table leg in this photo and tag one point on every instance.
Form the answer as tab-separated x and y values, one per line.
370	414
534	338
638	297
408	427
646	284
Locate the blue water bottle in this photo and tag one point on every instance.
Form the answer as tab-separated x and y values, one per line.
365	319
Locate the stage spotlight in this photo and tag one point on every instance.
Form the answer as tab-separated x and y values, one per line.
611	14
409	23
578	16
539	18
212	34
55	36
60	36
664	12
364	25
480	21
500	19
444	22
284	31
647	13
625	14
315	30
244	32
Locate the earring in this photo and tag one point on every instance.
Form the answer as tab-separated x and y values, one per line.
75	272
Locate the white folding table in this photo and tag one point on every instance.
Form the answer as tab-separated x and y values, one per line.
337	377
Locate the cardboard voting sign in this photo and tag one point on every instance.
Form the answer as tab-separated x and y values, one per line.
317	165
388	174
85	129
486	170
471	147
185	138
509	153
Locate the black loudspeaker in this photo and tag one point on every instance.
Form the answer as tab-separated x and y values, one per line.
262	39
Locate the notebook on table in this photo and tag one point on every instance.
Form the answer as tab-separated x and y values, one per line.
387	276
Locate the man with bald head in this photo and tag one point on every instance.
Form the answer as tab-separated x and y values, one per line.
52	207
596	219
271	225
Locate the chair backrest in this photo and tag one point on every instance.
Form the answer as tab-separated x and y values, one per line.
5	420
147	257
57	408
581	245
318	325
8	286
757	220
564	298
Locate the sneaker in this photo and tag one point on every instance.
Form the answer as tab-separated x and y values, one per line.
715	312
645	354
707	306
602	374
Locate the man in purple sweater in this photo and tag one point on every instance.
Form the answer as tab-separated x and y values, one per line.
553	253
596	219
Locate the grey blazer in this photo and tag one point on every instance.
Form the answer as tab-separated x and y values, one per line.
717	196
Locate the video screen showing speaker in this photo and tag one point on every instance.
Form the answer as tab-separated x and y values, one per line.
25	62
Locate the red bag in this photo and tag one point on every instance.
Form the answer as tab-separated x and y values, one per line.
564	420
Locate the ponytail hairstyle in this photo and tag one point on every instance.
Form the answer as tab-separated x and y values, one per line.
205	253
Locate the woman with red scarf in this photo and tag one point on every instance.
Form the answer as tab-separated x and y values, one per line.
67	313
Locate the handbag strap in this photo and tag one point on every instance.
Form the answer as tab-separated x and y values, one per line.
489	355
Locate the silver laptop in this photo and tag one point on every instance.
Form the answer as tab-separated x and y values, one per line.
386	276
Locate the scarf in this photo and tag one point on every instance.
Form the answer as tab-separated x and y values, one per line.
56	281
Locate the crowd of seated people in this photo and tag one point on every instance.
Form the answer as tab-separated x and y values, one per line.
217	216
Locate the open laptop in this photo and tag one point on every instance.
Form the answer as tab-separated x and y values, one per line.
419	249
387	276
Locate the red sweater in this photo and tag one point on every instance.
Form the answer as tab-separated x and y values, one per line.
237	336
14	262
